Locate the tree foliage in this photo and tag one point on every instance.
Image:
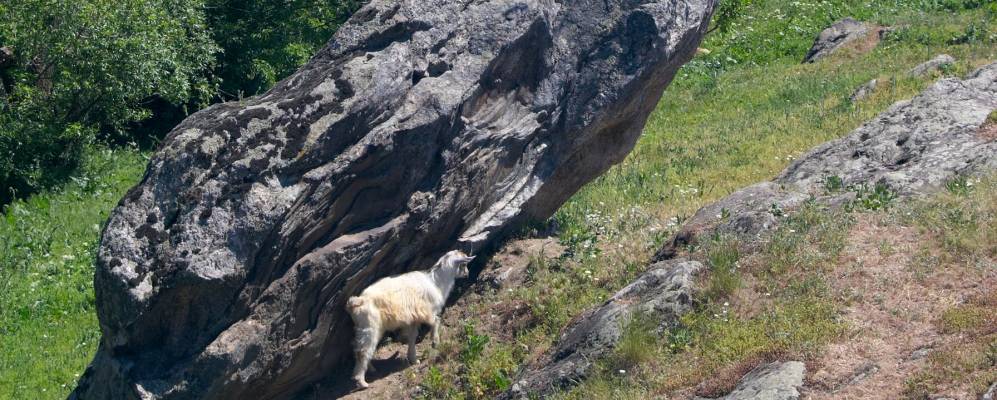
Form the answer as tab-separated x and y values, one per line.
87	66
264	41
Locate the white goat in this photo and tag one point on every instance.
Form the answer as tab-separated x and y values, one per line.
403	302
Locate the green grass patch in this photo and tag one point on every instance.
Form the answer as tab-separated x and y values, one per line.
962	218
792	318
471	366
48	325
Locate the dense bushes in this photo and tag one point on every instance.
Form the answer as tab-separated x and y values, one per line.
266	40
95	71
85	67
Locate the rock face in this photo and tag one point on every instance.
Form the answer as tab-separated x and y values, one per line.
773	381
913	146
421	127
662	293
836	35
931	65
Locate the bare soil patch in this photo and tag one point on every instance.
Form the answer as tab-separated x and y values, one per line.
895	290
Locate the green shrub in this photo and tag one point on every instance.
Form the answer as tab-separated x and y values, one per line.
264	41
82	67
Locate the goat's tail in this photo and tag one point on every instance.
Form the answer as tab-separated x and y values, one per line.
355	302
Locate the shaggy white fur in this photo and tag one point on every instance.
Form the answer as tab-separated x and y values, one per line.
406	302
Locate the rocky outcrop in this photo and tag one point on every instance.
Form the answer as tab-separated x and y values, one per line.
831	39
912	147
421	127
931	65
773	381
663	293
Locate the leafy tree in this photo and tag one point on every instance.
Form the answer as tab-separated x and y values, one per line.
264	41
86	66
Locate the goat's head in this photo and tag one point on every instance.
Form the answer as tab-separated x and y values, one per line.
457	260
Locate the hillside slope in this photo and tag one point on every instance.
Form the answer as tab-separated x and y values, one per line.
711	136
731	119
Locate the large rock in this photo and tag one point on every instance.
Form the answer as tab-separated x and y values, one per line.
831	39
421	127
931	65
913	147
663	293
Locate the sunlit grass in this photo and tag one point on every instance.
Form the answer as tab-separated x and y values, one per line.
48	325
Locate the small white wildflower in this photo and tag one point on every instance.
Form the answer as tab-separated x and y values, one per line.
623	371
726	304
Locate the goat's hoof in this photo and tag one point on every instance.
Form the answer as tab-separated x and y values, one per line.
362	384
413	361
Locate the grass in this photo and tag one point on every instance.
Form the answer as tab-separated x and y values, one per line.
48	325
784	313
963	219
732	118
972	361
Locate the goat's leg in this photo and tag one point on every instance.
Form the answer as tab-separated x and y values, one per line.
411	334
436	330
365	347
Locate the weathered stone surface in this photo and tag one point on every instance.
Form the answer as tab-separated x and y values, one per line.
914	146
421	127
991	393
749	211
836	35
662	293
773	381
931	65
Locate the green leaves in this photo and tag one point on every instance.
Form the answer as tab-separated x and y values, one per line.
87	66
265	41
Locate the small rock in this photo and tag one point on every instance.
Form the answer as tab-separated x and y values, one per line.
931	65
991	393
6	56
508	267
832	38
919	354
864	371
864	91
773	381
